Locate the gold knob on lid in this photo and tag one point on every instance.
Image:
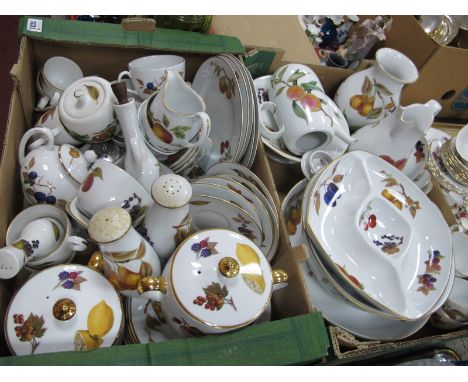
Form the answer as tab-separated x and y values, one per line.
229	267
64	309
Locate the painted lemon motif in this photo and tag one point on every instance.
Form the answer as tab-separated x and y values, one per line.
100	320
84	341
250	261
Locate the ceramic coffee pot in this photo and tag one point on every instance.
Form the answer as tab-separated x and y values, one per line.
86	110
125	256
168	221
399	137
51	174
372	94
215	282
139	160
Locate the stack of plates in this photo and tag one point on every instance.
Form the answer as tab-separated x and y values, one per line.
230	196
276	150
380	256
227	88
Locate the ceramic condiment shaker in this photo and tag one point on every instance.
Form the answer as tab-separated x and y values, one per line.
168	222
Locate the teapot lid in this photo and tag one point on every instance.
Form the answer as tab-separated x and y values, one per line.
75	162
85	97
63	308
221	278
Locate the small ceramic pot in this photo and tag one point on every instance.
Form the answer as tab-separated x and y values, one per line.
62	241
126	256
168	221
64	308
86	110
107	185
215	282
149	73
51	174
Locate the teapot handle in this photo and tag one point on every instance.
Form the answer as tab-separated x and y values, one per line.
49	143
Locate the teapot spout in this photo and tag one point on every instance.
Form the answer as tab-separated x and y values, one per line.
421	115
434	106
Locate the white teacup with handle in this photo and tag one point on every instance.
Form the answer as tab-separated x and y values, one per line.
305	116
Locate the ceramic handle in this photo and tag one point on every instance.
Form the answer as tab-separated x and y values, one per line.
123	74
280	279
96	262
39	142
152	287
267	133
49	142
44	100
204	131
55	98
77	243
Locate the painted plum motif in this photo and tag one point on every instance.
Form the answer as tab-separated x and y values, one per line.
244	227
205	248
331	186
70	280
37	186
433	267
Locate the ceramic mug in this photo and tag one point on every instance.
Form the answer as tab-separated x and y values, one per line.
52	80
175	118
304	114
148	73
55	251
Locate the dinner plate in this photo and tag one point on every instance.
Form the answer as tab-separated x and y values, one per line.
217	84
209	212
369	220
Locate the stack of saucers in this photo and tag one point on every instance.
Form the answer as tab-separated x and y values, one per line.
231	196
380	255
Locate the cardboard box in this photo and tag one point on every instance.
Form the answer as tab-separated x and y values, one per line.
295	340
442	69
283	33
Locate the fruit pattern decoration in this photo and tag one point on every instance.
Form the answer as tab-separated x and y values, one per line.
35	186
433	268
331	186
398	199
30	329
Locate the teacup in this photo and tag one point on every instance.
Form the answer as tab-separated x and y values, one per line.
54	233
56	75
303	112
148	73
107	185
460	251
175	117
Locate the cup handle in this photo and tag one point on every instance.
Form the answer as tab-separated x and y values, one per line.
204	131
77	243
43	101
123	74
49	142
152	287
55	98
267	133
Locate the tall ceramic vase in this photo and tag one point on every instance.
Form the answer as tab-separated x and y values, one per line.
372	94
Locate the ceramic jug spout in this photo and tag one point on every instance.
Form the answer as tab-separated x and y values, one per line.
422	115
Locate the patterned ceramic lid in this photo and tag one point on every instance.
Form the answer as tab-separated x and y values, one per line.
221	278
75	162
63	308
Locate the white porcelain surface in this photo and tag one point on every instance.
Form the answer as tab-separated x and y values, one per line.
98	312
107	185
402	263
292	213
369	95
148	73
194	272
51	120
86	110
461	143
459	206
460	251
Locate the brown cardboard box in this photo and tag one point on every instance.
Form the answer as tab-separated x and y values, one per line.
278	32
443	73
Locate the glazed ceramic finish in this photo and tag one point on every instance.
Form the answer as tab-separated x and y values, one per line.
457	301
209	212
32	327
461	143
175	117
51	120
168	221
107	185
399	137
51	174
314	161
459	207
335	148
86	110
258	208
139	160
127	256
204	294
460	252
382	213
216	82
306	119
371	94
292	212
148	73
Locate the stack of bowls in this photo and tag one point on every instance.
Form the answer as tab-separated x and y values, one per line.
380	253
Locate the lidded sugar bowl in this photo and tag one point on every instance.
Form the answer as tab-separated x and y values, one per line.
65	307
216	281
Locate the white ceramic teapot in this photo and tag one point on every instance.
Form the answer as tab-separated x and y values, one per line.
216	281
86	110
51	174
399	137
